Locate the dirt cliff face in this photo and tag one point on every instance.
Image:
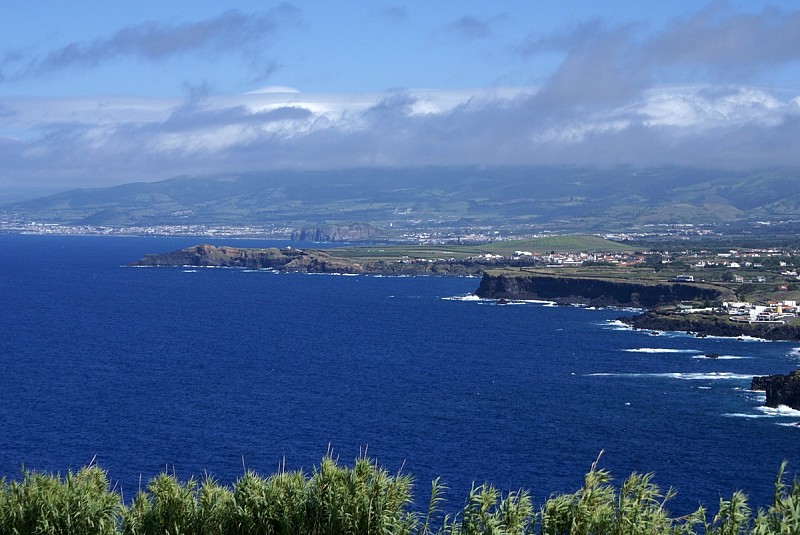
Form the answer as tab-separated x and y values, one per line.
590	291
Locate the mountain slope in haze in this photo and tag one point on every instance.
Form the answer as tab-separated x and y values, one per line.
581	198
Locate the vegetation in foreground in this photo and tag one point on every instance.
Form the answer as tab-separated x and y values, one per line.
366	499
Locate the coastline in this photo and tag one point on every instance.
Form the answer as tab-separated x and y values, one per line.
504	284
707	325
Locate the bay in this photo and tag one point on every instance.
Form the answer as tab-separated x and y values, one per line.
221	370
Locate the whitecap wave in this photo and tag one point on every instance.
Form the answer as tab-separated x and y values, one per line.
780	410
744	415
709	376
660	350
470	297
476	299
721	357
795	353
616	325
744	338
692	376
334	274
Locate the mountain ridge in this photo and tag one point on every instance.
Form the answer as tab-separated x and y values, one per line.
585	198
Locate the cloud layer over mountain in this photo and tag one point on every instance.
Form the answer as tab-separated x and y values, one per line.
696	91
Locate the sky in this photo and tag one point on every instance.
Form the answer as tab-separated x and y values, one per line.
98	93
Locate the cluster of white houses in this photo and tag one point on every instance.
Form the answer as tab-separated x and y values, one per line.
745	312
579	259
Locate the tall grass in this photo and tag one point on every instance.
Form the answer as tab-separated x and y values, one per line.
366	499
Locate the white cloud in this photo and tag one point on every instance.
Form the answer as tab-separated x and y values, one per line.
113	140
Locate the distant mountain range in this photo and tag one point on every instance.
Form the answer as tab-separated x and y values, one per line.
571	198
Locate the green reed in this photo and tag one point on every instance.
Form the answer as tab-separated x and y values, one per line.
366	499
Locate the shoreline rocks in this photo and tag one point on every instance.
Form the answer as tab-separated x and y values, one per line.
592	291
780	389
711	325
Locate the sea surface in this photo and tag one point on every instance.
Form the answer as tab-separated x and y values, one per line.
214	371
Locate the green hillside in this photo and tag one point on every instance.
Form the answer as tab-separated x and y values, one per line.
568	199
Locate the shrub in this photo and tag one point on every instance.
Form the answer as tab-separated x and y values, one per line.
366	499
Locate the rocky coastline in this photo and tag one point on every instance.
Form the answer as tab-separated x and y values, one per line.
291	260
592	291
711	325
780	389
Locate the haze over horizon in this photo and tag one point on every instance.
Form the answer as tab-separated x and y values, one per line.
99	94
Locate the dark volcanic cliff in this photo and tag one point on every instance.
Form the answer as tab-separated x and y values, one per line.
272	258
588	290
336	233
304	261
712	325
780	389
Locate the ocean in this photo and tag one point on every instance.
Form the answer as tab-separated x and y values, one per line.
217	371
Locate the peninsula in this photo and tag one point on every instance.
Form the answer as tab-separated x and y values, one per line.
291	260
732	293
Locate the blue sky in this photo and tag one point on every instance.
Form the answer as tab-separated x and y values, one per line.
100	93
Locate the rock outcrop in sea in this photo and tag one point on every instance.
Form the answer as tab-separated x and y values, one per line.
780	389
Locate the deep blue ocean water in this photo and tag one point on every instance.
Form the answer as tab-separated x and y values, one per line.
213	370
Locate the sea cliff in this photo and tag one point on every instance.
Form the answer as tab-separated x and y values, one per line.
303	261
780	389
270	258
711	325
593	291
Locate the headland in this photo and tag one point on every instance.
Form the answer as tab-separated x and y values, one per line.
716	301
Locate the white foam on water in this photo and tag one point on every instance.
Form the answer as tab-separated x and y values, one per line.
504	302
334	274
470	297
780	410
616	325
538	302
660	350
693	376
721	357
744	338
743	415
710	376
795	352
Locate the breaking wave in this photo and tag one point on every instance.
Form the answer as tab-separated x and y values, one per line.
693	376
660	350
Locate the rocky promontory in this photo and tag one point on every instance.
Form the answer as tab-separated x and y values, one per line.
304	261
780	389
711	325
270	258
594	291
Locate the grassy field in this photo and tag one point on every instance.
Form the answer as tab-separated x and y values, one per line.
559	244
